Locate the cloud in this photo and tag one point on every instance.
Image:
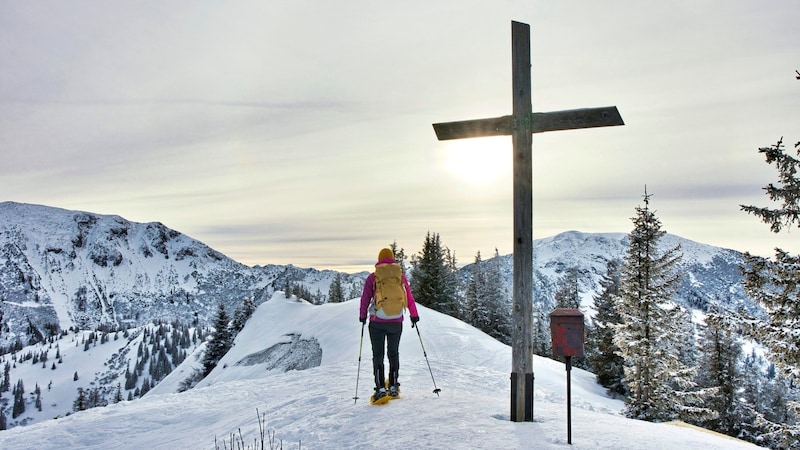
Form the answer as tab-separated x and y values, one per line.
305	130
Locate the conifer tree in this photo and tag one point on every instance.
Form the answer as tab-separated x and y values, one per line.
473	298
719	373
5	385
644	336
686	338
336	291
131	378
452	285
542	343
773	283
750	394
118	394
81	402
567	293
602	353
219	343
765	417
498	301
486	305
433	279
146	385
38	400
399	255
302	292
94	398
19	400
355	290
243	312
287	288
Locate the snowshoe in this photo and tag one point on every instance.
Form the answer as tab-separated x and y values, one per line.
379	397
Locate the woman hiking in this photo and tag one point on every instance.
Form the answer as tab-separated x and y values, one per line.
385	298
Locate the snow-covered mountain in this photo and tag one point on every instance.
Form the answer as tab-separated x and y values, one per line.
312	406
711	275
61	269
74	284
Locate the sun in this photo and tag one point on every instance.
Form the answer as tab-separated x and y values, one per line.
479	160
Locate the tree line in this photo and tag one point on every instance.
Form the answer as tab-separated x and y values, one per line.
646	348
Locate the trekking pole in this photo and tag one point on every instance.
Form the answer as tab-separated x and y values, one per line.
435	389
360	345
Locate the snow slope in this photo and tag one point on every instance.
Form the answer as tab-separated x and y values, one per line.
315	407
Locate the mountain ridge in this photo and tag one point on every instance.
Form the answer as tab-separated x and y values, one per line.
63	269
105	273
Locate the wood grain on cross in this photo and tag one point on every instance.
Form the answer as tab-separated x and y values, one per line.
520	125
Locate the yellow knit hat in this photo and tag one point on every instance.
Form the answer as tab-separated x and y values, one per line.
385	253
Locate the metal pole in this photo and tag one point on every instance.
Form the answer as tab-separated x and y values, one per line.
569	400
360	345
424	353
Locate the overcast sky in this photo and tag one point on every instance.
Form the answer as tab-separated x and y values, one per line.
300	132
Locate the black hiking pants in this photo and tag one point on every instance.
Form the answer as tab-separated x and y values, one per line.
385	335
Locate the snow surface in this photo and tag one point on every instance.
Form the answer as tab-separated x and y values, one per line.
314	408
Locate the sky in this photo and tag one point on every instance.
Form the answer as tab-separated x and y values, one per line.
299	132
314	408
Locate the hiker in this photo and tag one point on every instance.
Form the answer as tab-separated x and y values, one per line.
385	297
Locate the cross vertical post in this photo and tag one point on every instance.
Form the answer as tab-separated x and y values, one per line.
520	126
522	140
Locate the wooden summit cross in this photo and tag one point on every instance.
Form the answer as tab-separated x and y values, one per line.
520	125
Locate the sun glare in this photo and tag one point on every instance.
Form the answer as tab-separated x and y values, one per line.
480	160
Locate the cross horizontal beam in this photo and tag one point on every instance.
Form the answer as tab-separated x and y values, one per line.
570	119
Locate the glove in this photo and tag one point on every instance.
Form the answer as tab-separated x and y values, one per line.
414	321
362	319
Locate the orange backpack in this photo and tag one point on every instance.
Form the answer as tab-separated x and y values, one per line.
390	294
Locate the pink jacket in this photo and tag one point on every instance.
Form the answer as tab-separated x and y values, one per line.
369	292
